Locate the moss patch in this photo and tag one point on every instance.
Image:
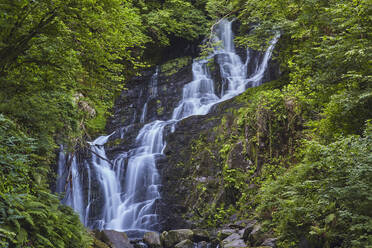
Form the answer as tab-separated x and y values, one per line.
173	66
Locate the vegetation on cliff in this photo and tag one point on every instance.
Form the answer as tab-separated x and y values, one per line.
304	145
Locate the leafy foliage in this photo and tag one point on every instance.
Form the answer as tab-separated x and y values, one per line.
310	159
29	215
325	48
326	198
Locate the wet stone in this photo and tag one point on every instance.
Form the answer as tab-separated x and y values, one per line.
185	244
152	239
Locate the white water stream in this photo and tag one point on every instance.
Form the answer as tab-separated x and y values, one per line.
130	190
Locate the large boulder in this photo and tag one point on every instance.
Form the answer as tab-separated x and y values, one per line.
185	244
172	237
114	239
230	239
152	239
237	243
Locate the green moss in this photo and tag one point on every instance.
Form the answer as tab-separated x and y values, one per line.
160	110
99	244
113	143
173	66
96	125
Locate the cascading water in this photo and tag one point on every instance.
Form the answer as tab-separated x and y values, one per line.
130	183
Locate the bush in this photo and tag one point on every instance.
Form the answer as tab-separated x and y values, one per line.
326	199
29	215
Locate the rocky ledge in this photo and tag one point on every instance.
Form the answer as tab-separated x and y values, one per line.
243	233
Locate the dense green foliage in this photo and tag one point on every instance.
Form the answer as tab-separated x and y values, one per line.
325	49
306	143
29	215
326	198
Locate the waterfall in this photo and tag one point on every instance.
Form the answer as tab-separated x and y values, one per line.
61	171
74	192
129	184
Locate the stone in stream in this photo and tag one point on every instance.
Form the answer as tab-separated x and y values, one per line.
203	244
185	244
172	237
114	239
152	239
139	244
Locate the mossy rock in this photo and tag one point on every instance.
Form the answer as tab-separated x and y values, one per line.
99	244
173	237
185	244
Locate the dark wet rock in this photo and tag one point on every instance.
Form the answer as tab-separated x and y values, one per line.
185	244
248	229
240	224
270	242
215	242
203	244
200	235
139	244
172	237
128	108
152	239
237	159
256	237
114	239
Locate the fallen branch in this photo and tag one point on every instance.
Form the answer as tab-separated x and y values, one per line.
101	157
